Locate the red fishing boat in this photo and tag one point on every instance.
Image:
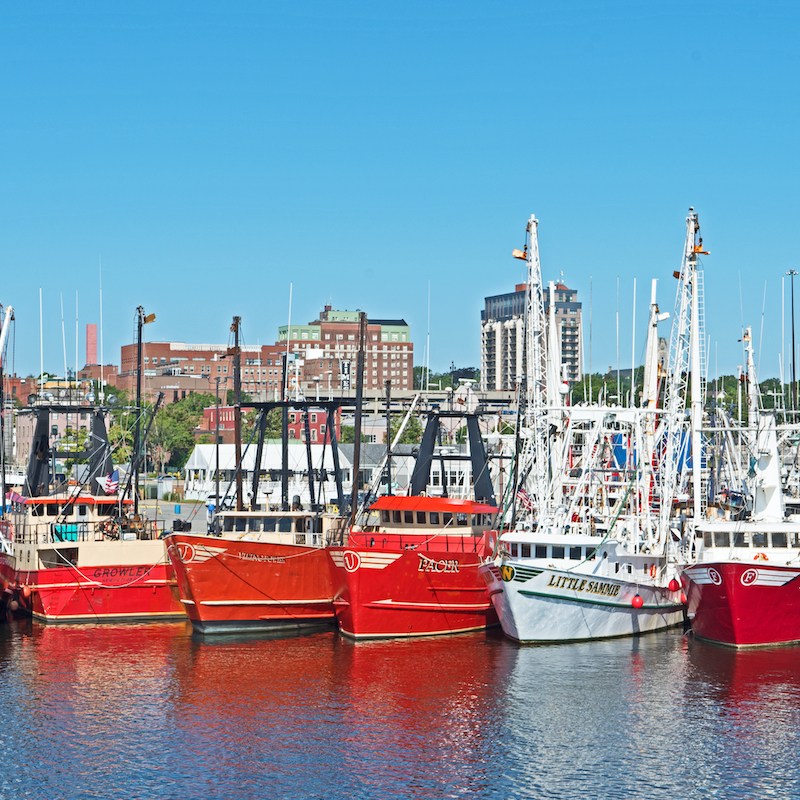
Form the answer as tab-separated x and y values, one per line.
745	589
410	563
412	569
82	553
267	571
78	560
264	569
743	585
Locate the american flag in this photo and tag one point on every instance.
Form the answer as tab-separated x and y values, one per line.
525	500
110	484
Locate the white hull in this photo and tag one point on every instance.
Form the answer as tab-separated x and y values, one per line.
542	605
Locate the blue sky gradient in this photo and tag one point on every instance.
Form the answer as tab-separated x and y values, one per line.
213	153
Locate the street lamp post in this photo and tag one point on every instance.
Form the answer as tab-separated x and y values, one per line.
791	273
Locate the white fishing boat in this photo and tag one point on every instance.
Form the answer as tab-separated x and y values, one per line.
585	553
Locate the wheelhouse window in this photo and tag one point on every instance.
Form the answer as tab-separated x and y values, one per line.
408	517
721	539
384	517
52	509
395	516
558	551
434	517
447	518
285	525
541	551
462	520
526	551
779	539
420	517
759	539
575	553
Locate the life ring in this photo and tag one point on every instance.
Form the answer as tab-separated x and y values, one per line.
653	571
760	557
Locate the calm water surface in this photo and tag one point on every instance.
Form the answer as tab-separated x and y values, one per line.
151	711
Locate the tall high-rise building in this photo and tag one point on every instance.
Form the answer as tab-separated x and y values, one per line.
503	333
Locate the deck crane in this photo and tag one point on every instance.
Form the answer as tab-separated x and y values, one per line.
532	454
685	375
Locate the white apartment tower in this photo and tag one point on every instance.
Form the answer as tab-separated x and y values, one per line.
502	335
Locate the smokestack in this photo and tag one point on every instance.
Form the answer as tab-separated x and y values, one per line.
91	343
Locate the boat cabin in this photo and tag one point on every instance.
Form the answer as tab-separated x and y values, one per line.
423	515
64	518
746	539
281	527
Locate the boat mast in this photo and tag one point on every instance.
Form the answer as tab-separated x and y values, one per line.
141	321
7	319
237	411
532	467
752	380
685	364
362	339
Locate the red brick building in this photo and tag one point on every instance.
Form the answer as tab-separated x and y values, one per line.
317	424
327	349
177	368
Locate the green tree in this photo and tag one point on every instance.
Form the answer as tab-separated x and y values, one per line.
348	435
172	434
73	440
412	433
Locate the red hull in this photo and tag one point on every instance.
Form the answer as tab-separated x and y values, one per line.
744	604
390	592
125	592
232	586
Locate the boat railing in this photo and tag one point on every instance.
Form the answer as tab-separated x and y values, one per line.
447	544
37	533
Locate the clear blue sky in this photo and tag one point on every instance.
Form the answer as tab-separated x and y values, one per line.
212	153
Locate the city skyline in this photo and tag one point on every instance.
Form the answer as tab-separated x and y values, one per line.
373	156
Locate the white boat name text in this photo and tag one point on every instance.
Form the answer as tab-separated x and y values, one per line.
431	565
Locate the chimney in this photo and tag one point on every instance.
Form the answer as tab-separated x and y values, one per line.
91	343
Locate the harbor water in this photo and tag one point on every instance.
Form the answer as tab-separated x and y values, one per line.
154	711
